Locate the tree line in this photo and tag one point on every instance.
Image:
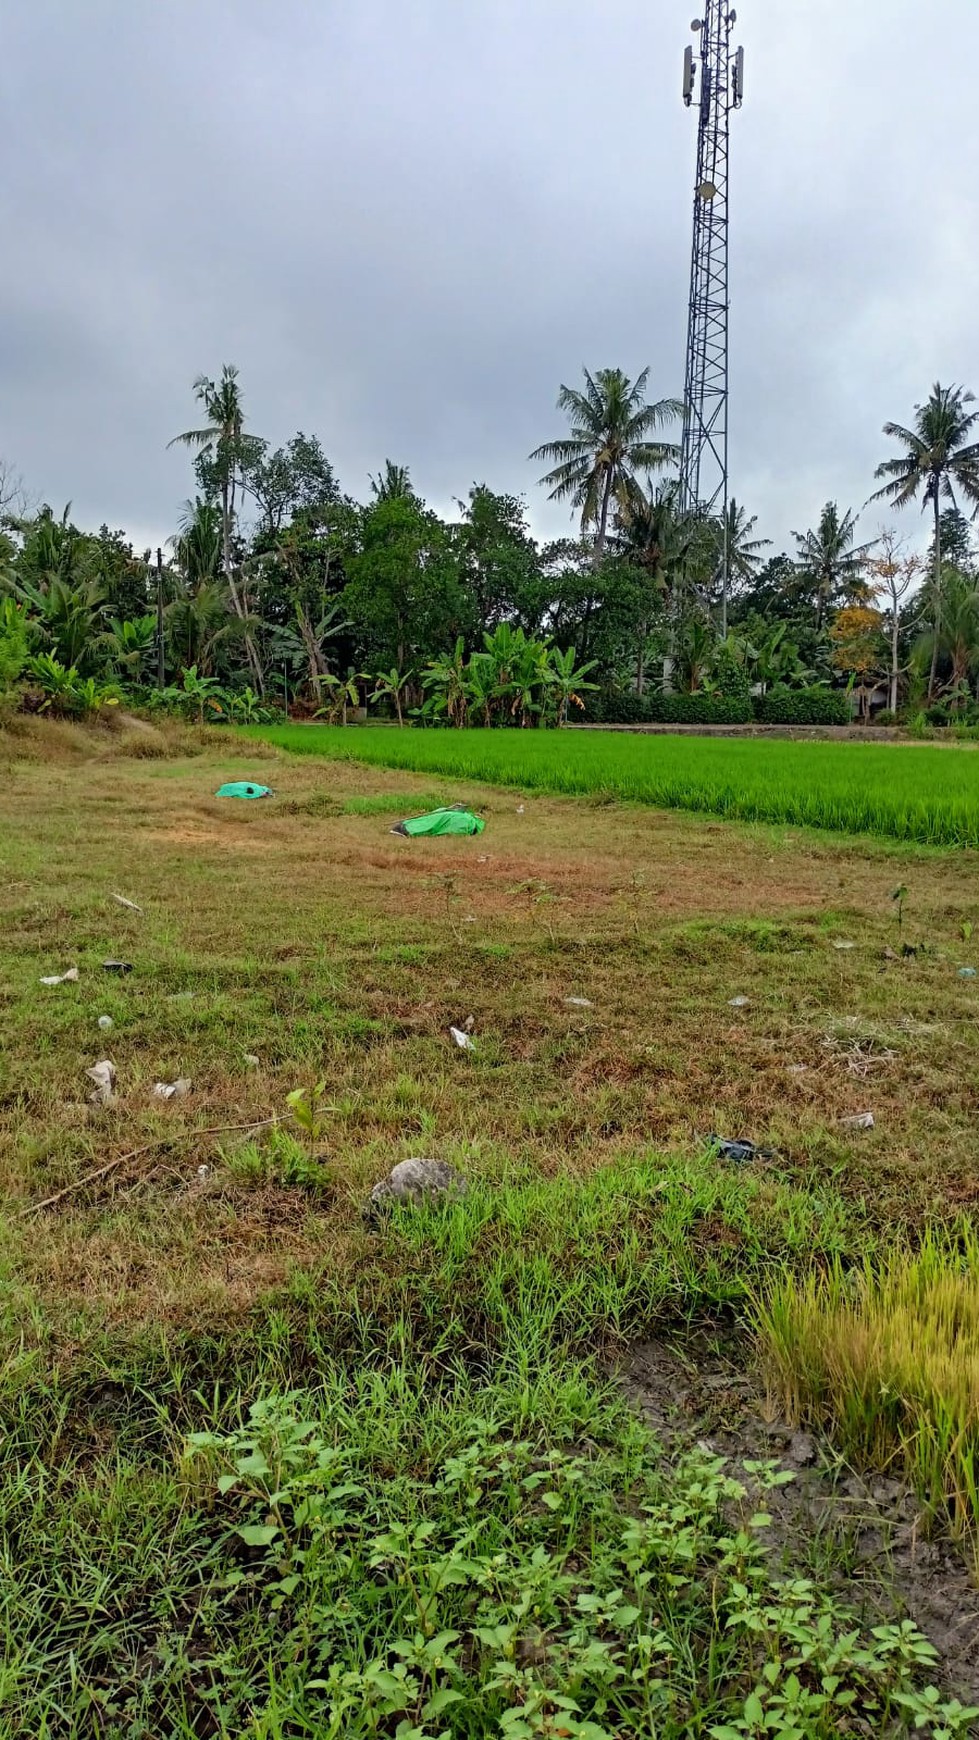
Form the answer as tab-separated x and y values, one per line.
278	589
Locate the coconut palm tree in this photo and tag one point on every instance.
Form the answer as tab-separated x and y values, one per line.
611	441
830	559
743	559
393	483
957	637
198	618
221	438
939	458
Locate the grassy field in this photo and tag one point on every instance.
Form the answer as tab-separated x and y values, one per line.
273	1470
913	794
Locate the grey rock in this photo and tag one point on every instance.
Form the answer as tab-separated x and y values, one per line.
411	1180
802	1450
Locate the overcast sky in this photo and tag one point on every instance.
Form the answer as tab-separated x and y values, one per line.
407	221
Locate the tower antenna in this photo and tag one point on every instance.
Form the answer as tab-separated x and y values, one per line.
703	461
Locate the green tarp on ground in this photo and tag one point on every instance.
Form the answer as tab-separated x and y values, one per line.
457	821
243	788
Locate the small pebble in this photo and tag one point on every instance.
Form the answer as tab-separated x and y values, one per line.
106	1023
738	1002
967	972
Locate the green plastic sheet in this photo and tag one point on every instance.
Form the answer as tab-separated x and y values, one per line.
243	788
457	821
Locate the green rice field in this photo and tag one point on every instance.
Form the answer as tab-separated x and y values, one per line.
926	795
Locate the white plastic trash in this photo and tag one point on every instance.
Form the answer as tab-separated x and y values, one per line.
172	1090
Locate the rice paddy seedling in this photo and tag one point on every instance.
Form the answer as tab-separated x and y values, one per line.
922	795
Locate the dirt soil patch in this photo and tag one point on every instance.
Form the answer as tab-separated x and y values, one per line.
864	1535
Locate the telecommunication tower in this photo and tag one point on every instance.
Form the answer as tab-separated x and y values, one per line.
703	462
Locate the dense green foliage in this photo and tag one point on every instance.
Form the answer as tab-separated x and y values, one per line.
784	706
617	707
278	583
912	795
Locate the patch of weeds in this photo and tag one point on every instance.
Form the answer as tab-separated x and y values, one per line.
280	1160
762	936
393	803
319	805
407	954
448	1562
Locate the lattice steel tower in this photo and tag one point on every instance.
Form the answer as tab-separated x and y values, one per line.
703	463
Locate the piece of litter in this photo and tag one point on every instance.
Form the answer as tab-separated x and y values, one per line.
106	1023
243	788
579	1002
859	1121
740	1151
889	955
520	809
738	1002
463	1040
172	1090
68	978
104	1076
117	966
964	973
121	900
203	1172
797	1068
469	920
251	1060
838	943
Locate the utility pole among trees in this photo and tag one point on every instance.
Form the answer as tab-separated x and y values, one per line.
703	464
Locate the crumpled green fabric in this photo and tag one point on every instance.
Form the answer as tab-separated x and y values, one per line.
456	821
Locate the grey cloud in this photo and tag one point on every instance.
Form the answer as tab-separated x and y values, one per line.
408	224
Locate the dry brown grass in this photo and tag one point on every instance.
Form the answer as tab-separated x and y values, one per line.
336	951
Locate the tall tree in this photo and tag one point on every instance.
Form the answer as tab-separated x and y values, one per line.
295	479
955	541
498	557
893	573
743	549
221	441
831	561
403	593
393	483
956	639
939	458
611	441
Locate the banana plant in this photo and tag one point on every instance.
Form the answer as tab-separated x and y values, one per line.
202	692
446	679
390	686
344	693
128	643
567	680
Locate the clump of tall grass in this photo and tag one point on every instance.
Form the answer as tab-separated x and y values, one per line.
887	1358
